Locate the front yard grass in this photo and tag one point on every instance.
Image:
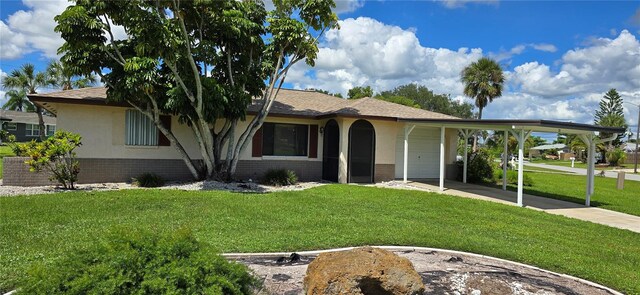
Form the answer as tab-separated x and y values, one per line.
572	188
42	228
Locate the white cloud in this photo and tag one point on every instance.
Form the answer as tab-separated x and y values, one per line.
367	52
3	99
461	3
544	47
32	30
506	55
608	63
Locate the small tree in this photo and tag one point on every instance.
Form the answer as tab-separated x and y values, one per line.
611	113
360	92
56	155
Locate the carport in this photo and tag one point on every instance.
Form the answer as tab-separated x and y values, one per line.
521	130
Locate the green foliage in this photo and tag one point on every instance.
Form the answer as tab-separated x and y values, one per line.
148	180
204	61
360	92
43	228
616	156
131	261
56	155
483	81
479	167
280	177
512	177
60	76
611	114
420	96
17	101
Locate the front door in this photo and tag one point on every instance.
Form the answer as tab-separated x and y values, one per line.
362	146
330	151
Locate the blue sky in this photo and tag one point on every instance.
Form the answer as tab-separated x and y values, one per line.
559	57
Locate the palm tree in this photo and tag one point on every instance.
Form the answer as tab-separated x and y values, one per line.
483	81
60	76
17	101
28	80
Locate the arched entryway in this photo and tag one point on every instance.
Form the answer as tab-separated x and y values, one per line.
362	147
330	151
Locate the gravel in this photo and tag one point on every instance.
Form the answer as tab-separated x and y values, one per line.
244	187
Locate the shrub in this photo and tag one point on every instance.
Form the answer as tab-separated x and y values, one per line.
512	177
56	155
280	177
148	180
616	156
134	262
479	167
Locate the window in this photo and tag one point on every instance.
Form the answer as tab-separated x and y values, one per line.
11	126
32	130
51	129
139	130
284	139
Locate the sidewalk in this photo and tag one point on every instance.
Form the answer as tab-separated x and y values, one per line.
582	171
552	206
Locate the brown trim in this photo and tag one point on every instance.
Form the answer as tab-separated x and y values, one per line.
83	101
256	144
165	120
313	141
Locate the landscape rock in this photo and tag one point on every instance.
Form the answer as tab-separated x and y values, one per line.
364	271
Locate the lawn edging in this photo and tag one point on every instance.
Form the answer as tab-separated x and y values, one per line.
411	248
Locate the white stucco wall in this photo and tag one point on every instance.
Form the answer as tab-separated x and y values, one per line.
103	135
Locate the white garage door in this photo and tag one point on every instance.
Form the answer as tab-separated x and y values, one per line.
424	153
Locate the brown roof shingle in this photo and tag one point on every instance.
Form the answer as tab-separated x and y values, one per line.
26	117
293	103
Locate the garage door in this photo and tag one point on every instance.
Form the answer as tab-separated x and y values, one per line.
424	153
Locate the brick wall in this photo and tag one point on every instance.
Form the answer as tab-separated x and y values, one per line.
384	172
16	172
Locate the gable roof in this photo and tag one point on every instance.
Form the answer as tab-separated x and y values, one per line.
25	117
289	103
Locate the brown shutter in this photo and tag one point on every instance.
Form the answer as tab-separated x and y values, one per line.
166	122
256	144
313	141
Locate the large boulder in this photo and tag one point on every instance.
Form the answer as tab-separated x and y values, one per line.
363	270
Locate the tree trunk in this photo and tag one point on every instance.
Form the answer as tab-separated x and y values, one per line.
475	134
43	134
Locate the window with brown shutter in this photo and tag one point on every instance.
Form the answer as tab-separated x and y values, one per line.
162	139
256	144
313	141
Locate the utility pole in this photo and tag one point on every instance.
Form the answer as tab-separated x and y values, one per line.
635	157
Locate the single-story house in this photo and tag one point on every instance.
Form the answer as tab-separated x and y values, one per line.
564	153
24	125
319	136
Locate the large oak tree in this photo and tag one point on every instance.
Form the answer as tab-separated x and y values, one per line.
204	61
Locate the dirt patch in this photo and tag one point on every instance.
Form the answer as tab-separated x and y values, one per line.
441	272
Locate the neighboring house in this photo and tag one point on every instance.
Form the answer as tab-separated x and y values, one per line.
564	153
24	125
318	136
629	147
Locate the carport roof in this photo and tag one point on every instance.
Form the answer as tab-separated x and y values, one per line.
509	124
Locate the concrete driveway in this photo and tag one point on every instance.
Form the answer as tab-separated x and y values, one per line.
558	207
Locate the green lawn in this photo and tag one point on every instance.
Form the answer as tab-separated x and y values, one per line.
572	188
577	164
5	151
42	228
